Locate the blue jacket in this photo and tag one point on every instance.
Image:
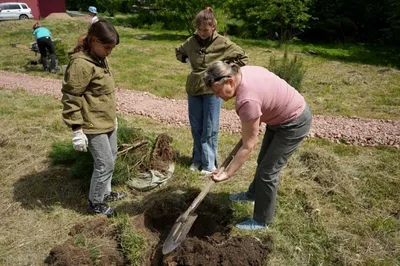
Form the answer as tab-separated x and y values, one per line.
41	32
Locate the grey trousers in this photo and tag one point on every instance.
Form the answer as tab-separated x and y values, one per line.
279	143
103	148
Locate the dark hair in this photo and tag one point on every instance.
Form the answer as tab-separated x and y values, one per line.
219	71
36	25
205	16
103	31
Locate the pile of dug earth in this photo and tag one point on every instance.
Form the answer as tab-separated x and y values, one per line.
208	243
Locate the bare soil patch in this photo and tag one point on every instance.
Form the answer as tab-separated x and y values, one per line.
208	242
347	130
238	251
92	243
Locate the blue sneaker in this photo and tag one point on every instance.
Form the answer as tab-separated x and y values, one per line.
241	196
251	224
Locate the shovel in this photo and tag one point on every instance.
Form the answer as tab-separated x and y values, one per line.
20	46
185	221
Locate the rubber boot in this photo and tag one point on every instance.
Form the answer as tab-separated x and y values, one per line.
54	69
44	63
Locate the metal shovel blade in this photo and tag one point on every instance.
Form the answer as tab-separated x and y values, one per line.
178	233
185	221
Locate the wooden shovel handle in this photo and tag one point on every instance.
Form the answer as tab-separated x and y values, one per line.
211	182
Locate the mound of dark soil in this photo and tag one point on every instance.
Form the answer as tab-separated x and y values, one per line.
93	243
67	254
208	242
237	251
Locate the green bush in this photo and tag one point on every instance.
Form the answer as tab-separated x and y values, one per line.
61	52
291	70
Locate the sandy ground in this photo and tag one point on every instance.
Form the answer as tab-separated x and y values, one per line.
350	130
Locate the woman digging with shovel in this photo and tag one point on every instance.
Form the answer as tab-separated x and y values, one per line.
261	96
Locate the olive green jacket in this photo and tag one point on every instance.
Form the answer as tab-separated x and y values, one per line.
88	95
201	56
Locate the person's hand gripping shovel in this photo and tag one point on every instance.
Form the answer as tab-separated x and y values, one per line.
185	221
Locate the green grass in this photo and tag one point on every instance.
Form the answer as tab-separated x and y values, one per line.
349	80
337	205
132	243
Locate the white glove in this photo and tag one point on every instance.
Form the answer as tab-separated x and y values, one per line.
79	140
116	123
188	62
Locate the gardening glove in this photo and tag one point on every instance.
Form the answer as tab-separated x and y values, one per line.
79	140
188	62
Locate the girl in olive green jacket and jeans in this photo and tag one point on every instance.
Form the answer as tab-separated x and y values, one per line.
199	51
89	108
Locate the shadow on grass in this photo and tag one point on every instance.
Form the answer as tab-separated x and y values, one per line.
161	37
368	54
183	160
34	68
51	189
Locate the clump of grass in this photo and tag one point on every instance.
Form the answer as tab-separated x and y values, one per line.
135	155
131	242
291	70
321	167
81	163
61	52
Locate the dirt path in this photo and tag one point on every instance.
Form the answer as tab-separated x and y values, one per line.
356	131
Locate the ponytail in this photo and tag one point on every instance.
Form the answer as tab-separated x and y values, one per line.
205	16
82	45
101	31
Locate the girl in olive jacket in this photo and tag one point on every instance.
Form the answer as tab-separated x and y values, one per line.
200	51
89	108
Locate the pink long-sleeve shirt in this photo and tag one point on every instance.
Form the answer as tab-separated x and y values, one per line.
263	94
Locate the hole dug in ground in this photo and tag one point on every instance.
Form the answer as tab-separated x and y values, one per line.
208	242
96	241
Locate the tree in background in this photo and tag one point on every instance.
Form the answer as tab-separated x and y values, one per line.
368	21
353	21
176	14
393	17
282	19
108	7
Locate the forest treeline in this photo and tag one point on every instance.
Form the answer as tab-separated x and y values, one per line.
367	21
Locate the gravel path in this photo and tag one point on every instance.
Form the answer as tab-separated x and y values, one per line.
351	130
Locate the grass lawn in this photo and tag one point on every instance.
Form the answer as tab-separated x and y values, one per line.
340	80
337	204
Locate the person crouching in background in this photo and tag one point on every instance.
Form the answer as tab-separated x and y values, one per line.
44	42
